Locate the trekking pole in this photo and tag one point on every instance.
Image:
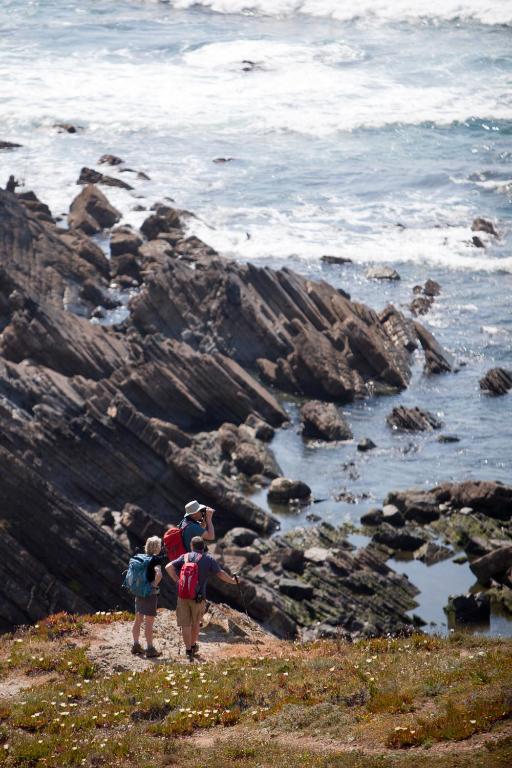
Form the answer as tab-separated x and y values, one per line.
242	598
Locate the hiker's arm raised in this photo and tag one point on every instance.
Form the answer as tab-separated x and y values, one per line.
209	534
223	576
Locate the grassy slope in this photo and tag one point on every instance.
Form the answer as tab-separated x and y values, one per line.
389	702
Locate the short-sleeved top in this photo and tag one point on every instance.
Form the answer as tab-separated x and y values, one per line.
189	530
206	563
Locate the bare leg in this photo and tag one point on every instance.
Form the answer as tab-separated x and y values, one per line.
187	637
136	627
195	633
148	630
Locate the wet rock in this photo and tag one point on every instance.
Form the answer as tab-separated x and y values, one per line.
412	420
323	421
401	541
420	305
282	490
382	273
477	242
6	145
165	220
90	212
486	497
399	328
91	293
431	288
469	609
365	444
494	565
431	553
372	517
66	128
497	381
391	515
124	240
448	439
335	259
90	176
484	225
222	160
437	359
248	459
110	160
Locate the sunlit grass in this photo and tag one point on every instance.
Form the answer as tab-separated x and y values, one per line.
378	694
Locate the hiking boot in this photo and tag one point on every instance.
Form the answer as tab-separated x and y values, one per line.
137	648
189	654
194	649
152	652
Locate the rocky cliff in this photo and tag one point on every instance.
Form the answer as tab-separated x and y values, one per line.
107	430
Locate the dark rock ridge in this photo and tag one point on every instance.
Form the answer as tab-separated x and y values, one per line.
497	381
304	337
91	212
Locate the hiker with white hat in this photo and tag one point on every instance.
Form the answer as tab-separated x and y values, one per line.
197	521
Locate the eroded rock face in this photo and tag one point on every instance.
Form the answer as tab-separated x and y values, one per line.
90	212
305	337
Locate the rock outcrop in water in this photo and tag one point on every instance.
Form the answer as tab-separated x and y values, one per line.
106	432
497	381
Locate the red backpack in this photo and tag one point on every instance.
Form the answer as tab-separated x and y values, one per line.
188	584
173	542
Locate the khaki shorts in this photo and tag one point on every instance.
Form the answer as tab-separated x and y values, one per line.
188	612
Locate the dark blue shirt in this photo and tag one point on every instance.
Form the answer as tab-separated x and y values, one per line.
206	563
189	530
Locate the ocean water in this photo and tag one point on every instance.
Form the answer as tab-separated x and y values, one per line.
375	131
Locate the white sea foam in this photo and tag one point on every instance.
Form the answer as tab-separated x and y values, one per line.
307	235
483	11
293	88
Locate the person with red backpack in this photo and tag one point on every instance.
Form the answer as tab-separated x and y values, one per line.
191	572
197	521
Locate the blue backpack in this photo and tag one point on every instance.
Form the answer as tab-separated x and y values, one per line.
136	579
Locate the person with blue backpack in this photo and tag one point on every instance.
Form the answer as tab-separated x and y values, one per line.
143	576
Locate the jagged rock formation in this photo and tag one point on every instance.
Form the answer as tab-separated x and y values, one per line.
304	337
489	498
106	432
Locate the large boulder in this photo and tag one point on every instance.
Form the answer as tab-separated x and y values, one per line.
484	225
90	212
469	609
484	496
437	359
282	490
494	565
323	421
382	273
